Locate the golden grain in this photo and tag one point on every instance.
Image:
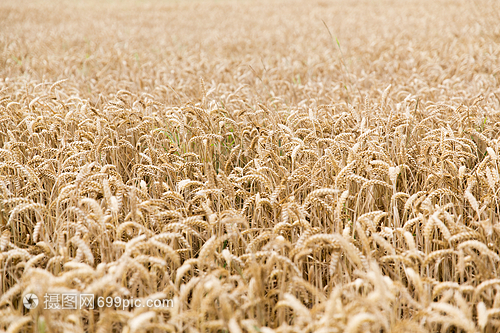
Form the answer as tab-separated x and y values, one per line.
241	164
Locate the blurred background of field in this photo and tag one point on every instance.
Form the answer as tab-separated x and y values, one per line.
271	166
139	45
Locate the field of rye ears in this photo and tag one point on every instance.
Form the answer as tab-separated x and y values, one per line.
261	166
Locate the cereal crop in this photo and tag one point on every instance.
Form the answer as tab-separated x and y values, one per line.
264	166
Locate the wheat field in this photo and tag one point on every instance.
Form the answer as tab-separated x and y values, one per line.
267	166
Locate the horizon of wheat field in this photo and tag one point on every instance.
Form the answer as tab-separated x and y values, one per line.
250	166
